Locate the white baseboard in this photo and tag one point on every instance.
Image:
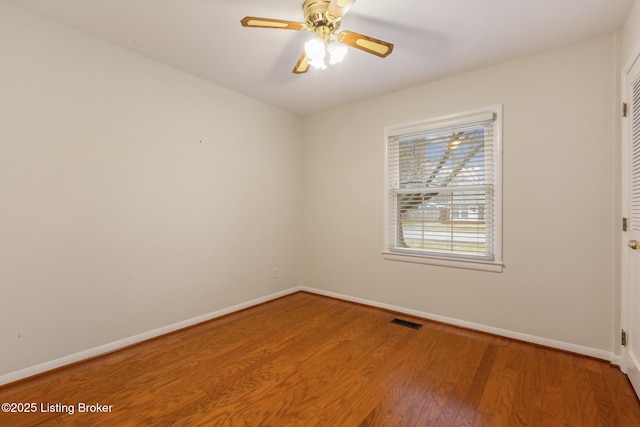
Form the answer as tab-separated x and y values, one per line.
616	360
573	348
116	345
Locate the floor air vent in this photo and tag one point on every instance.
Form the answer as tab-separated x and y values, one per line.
406	323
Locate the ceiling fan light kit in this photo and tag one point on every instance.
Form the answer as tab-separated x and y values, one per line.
323	18
317	50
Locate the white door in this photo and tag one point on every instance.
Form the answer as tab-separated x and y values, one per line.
630	304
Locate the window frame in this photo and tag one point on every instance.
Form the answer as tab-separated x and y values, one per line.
456	261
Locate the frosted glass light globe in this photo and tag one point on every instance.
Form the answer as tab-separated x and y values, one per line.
337	52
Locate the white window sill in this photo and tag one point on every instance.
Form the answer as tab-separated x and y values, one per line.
495	267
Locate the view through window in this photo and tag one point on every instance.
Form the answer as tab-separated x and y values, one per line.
443	189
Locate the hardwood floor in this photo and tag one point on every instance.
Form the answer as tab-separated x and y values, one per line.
307	360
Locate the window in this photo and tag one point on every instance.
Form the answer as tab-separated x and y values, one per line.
443	191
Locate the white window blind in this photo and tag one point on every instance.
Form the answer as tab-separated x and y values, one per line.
442	190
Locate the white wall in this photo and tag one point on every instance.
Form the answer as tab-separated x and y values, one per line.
559	139
132	195
631	33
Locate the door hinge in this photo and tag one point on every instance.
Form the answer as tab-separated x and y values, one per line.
623	338
624	224
625	109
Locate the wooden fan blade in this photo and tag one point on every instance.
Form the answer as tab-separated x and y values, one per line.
368	44
251	21
303	64
338	8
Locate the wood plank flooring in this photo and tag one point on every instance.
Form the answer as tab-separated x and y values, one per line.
308	360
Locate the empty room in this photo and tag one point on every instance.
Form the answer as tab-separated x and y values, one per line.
320	213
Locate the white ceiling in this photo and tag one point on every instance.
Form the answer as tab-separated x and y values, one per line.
433	39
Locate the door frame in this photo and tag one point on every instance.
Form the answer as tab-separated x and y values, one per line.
628	364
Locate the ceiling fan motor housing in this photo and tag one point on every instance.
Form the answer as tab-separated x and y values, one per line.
318	20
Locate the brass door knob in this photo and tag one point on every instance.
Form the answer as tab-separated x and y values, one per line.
634	244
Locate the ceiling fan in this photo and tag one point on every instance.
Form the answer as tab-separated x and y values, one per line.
323	18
